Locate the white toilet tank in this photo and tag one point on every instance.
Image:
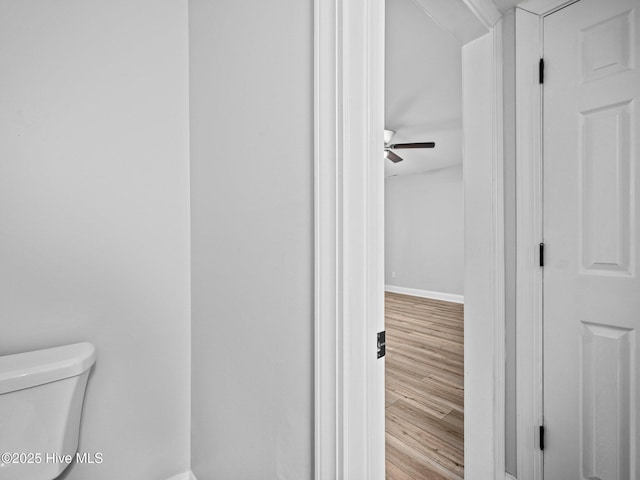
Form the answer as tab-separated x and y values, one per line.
41	396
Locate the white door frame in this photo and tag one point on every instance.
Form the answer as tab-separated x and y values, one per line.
349	241
349	209
529	346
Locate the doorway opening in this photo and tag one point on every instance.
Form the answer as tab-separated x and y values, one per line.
424	248
349	241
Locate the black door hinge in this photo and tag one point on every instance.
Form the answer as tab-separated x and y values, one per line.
541	437
382	344
541	254
541	71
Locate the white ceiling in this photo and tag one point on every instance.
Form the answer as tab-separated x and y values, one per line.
424	83
504	5
423	89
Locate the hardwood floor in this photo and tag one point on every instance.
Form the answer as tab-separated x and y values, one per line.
424	389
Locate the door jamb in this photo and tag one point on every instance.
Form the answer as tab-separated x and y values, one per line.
529	234
349	234
349	255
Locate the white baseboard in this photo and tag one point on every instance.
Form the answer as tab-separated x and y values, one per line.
447	297
184	476
509	477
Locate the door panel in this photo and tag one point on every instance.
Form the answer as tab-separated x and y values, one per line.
591	215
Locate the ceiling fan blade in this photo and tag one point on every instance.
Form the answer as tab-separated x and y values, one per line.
393	157
413	145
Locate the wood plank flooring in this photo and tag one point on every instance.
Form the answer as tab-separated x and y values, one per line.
424	389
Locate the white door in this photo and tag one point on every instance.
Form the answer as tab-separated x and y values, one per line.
592	244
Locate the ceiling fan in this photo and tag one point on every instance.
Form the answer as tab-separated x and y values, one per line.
388	146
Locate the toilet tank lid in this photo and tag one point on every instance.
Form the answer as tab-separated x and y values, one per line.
24	370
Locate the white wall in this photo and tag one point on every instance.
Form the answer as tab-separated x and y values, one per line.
424	231
94	221
480	168
252	244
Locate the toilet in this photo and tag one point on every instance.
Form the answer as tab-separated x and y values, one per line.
41	396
